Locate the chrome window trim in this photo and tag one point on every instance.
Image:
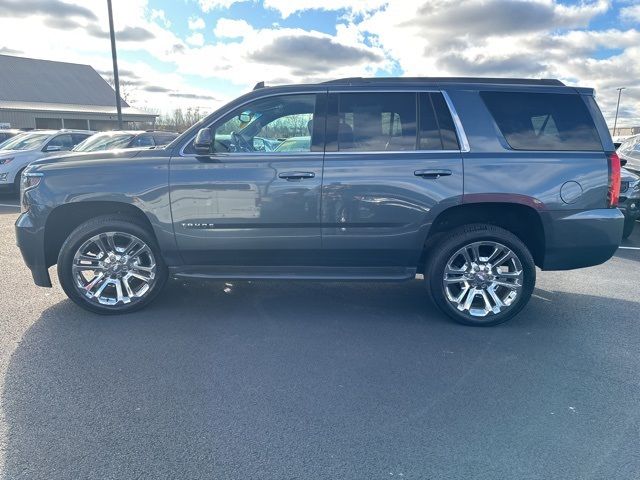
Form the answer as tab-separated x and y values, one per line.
388	152
462	136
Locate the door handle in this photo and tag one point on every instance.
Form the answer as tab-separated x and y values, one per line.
296	175
432	173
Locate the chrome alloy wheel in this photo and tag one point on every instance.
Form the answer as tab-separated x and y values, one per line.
483	278
114	268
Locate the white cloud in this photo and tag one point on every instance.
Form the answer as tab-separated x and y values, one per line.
289	7
535	38
630	14
196	23
532	38
196	39
228	28
208	5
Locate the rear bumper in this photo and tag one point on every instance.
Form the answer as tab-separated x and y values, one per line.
30	240
582	239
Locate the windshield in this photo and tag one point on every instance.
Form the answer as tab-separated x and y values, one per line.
104	141
25	141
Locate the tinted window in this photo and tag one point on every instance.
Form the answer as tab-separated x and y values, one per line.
144	140
543	121
437	131
377	121
163	138
79	137
65	142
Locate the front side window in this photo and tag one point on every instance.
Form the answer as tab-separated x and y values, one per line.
543	121
143	140
61	142
261	127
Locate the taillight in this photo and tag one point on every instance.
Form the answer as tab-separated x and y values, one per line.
613	194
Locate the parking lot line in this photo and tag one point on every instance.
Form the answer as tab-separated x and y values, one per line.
9	205
630	248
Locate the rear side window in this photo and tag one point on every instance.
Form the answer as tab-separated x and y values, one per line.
394	122
370	122
543	121
144	140
437	131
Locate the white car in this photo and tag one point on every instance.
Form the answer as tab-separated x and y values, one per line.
19	151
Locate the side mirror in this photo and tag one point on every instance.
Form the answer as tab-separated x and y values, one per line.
202	143
245	117
53	148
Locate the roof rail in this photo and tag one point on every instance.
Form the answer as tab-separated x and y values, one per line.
481	80
258	85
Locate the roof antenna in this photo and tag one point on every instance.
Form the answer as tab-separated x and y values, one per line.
259	85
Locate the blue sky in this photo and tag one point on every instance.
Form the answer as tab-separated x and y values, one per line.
201	53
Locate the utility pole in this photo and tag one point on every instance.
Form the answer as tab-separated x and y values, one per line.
615	122
116	78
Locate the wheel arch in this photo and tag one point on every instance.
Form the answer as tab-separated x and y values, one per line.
65	218
521	219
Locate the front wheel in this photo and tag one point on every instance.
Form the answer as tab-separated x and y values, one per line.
627	230
480	275
111	265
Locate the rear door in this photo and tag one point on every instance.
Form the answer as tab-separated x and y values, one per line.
392	162
245	206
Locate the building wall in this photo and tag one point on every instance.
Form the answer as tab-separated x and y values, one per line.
52	119
625	131
18	119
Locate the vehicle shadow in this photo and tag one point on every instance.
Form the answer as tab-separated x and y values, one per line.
310	380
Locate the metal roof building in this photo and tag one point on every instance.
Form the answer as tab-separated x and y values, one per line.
46	94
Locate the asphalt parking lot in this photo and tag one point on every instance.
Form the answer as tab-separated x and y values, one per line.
271	380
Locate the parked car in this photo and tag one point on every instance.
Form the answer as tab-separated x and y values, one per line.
472	182
125	139
295	144
629	152
629	203
6	134
17	152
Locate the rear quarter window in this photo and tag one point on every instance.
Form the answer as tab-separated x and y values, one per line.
543	121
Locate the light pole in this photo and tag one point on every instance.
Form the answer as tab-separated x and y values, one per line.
615	122
116	78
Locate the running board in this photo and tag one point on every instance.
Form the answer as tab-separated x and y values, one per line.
294	273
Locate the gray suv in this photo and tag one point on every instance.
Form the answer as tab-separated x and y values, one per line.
471	182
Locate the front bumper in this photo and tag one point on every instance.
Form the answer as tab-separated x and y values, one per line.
30	240
581	239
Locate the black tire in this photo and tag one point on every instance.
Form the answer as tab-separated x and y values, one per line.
109	223
16	182
627	230
451	243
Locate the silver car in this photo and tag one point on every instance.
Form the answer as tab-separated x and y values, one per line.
19	151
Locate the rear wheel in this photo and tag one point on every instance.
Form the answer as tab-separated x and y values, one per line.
111	265
480	275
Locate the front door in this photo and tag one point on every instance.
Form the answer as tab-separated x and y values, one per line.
392	162
255	199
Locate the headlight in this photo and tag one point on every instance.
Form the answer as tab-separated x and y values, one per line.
4	161
29	181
